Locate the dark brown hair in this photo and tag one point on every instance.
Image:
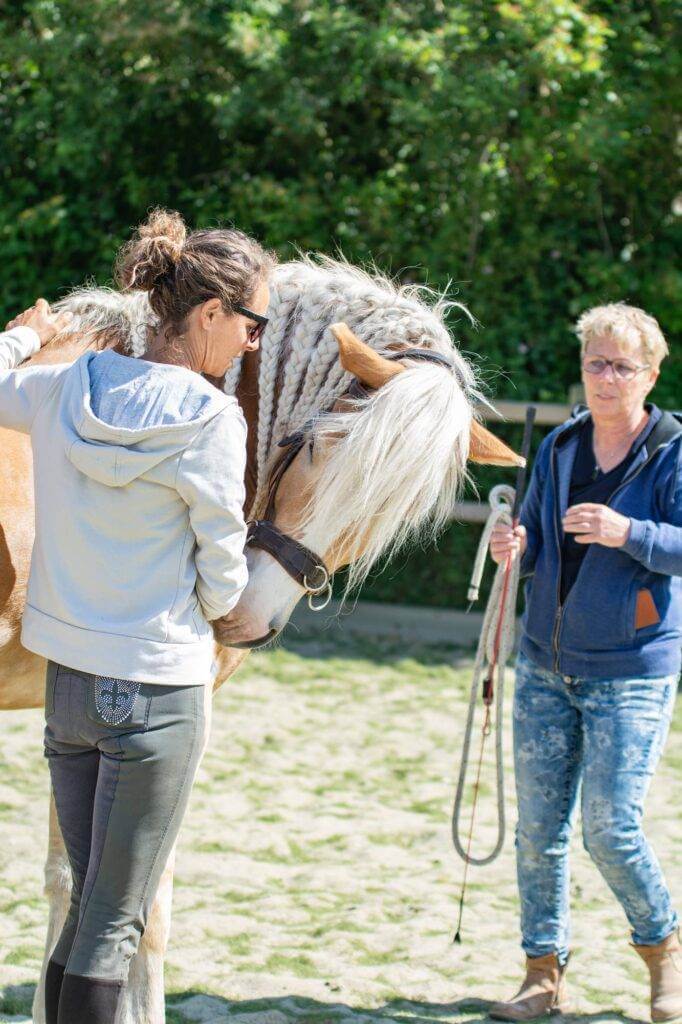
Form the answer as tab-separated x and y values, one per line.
181	270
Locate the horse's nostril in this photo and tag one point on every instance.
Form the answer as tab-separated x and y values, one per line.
254	645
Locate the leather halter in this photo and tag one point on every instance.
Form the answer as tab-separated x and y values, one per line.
302	564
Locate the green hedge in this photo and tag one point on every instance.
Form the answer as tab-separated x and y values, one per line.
521	152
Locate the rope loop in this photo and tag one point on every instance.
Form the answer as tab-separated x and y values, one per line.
501	501
494	649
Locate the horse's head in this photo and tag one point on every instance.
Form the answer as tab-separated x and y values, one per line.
385	463
360	437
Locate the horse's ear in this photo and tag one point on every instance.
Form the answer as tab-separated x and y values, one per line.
361	360
485	448
373	370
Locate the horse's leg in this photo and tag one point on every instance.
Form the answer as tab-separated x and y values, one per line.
143	1002
58	892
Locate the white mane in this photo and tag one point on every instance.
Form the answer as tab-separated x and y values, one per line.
110	316
398	457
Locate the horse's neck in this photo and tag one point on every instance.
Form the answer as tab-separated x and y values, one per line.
66	351
247	396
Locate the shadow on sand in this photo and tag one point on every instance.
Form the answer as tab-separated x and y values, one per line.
196	1006
303	1010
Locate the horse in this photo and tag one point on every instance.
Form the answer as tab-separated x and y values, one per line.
360	414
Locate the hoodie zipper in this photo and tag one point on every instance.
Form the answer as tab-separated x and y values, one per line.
560	608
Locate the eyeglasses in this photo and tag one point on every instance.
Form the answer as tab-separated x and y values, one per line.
255	332
622	368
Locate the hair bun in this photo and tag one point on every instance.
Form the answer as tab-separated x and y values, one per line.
155	249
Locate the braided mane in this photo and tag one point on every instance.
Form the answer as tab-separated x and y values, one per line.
300	373
375	490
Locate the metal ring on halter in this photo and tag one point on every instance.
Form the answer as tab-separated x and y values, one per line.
324	588
319	607
325	580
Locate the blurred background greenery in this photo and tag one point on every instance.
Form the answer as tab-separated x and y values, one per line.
525	154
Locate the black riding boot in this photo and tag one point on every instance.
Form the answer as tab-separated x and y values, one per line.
89	1000
54	976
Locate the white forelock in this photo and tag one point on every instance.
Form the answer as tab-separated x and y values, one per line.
396	466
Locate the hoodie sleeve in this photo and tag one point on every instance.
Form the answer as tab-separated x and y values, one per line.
210	479
658	545
22	393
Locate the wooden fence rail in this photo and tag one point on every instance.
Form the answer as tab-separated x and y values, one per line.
549	414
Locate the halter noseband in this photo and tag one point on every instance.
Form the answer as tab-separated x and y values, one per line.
302	564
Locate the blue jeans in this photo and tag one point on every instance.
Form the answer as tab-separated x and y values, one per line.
607	734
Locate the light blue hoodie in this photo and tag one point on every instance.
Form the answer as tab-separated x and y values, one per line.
140	534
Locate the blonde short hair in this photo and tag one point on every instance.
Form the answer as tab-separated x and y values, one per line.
623	323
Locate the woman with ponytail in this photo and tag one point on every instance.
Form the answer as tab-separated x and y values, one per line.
139	467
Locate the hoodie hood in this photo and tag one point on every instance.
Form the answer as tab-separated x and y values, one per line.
123	416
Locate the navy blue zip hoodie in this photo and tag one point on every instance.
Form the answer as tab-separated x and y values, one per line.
593	634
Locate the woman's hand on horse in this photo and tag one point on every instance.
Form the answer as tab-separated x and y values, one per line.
597	524
507	540
46	324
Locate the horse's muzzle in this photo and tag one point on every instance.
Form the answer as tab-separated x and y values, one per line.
254	645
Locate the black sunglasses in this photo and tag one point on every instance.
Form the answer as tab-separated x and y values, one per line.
261	323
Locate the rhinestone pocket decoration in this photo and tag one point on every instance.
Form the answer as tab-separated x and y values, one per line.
114	698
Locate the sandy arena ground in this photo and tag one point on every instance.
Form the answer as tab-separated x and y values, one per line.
316	879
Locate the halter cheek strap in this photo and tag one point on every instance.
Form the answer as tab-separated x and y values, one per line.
302	564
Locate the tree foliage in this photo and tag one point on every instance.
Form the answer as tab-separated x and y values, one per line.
524	153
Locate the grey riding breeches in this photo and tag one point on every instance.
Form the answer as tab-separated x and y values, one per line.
122	758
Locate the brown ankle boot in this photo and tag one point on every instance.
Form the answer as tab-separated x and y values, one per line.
665	969
543	991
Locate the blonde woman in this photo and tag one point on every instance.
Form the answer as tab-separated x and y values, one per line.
601	547
139	545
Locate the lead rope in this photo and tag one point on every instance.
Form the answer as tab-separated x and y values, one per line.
495	646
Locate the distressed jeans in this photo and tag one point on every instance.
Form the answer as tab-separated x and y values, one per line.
605	736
